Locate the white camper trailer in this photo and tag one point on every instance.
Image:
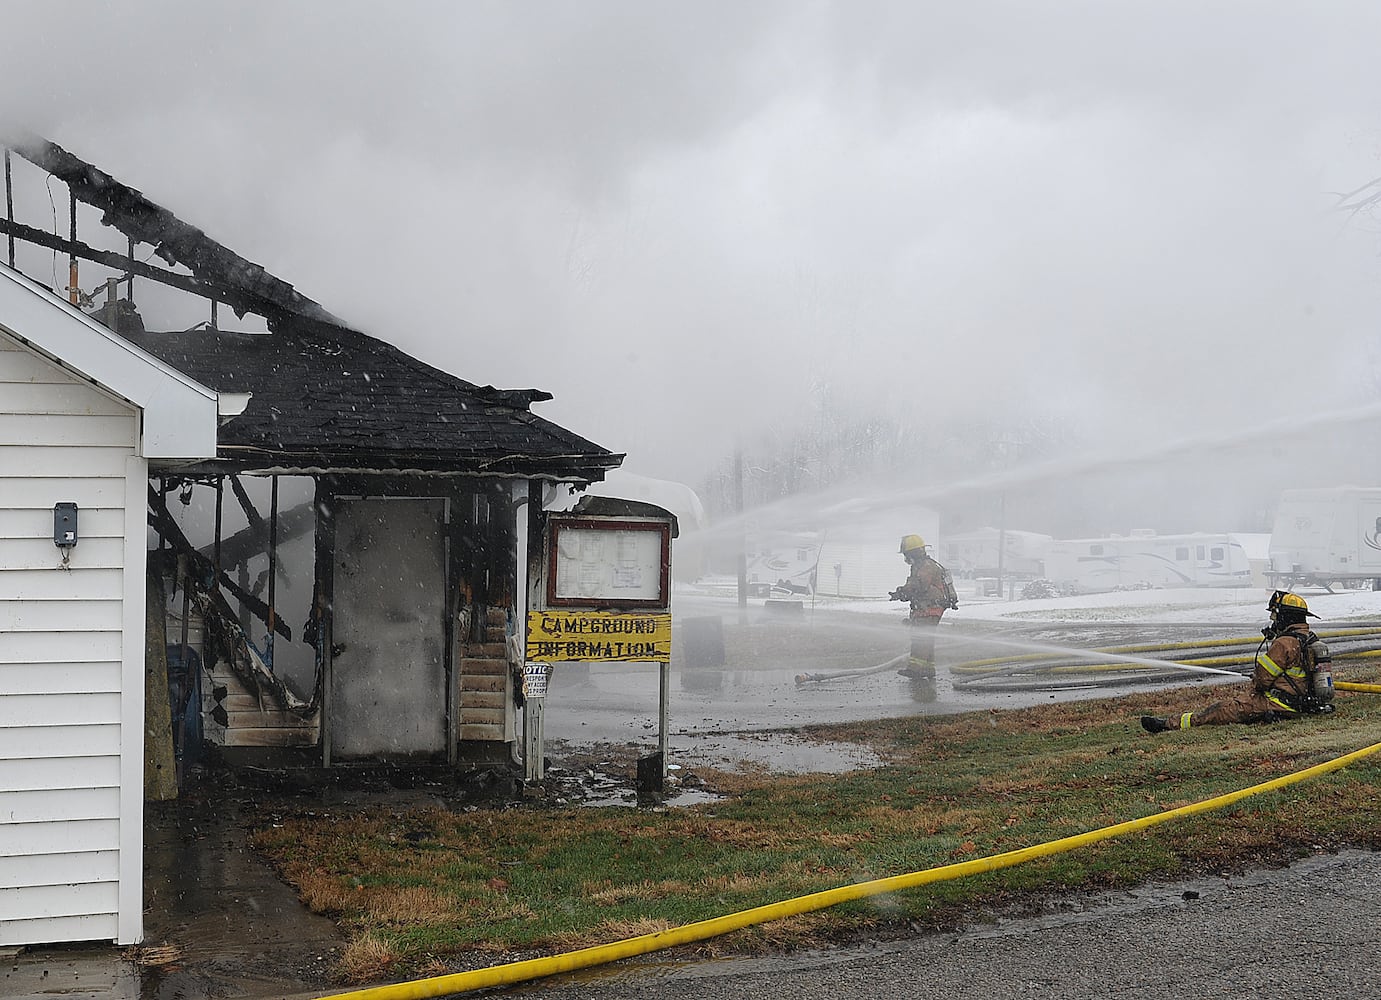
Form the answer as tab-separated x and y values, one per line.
1145	559
860	557
975	553
782	563
856	555
1327	536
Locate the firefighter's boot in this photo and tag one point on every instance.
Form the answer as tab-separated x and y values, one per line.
918	670
1154	724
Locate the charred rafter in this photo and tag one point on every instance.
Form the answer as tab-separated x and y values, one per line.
223	275
114	259
162	522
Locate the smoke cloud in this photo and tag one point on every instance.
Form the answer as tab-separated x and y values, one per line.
691	222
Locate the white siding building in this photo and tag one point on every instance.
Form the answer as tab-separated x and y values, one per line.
82	415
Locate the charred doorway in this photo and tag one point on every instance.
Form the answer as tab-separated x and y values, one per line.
388	671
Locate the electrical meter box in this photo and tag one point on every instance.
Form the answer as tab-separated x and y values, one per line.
65	525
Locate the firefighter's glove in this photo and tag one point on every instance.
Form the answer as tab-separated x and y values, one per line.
954	605
897	595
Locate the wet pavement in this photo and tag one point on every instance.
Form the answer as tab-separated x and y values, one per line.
217	920
223	913
724	711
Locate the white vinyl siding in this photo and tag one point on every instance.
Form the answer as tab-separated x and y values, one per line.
59	772
66	826
86	866
20	462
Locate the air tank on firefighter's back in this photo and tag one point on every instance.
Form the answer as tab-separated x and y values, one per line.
1323	674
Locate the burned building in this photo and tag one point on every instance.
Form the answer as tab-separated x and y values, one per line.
328	536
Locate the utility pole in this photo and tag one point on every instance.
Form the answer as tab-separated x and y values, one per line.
742	538
1001	540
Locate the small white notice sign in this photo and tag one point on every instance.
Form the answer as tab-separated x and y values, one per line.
535	680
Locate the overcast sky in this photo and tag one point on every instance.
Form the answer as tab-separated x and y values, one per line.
687	220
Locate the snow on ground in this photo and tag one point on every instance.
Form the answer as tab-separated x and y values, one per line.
1230	606
1238	605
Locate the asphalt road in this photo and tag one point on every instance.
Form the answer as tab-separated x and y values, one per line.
1310	931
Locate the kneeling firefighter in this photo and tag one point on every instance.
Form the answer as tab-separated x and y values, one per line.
930	589
1293	677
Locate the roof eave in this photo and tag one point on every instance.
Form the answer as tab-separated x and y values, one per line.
578	467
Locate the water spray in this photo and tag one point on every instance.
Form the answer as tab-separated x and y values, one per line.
841	505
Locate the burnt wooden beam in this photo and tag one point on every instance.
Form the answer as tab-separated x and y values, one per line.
246	286
273	563
256	522
163	523
111	259
247	543
322	620
464	531
9	202
502	525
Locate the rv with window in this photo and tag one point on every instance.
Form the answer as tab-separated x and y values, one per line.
1143	559
1327	536
975	553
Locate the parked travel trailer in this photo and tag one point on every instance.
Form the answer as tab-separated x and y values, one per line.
1145	559
782	563
857	556
860	557
974	553
1327	536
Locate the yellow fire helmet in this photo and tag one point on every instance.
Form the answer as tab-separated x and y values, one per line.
1283	600
910	543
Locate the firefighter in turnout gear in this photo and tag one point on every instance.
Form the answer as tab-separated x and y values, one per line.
1293	677
930	590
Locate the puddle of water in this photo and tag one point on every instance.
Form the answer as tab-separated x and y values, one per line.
70	973
777	752
780	753
230	917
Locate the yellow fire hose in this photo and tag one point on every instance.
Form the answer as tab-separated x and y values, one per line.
535	968
983	666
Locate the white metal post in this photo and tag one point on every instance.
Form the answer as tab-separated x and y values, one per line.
663	699
534	749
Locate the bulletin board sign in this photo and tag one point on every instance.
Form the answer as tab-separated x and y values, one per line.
598	636
609	563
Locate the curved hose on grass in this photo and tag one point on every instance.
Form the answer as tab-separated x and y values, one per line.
536	968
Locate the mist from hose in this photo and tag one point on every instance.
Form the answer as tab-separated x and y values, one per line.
830	508
956	636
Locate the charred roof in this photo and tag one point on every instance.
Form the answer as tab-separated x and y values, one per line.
322	395
223	274
342	400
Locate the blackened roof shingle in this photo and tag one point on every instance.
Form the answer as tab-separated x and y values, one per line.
326	397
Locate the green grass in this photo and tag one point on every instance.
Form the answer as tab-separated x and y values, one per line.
429	883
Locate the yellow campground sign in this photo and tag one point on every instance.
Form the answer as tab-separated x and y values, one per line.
598	636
